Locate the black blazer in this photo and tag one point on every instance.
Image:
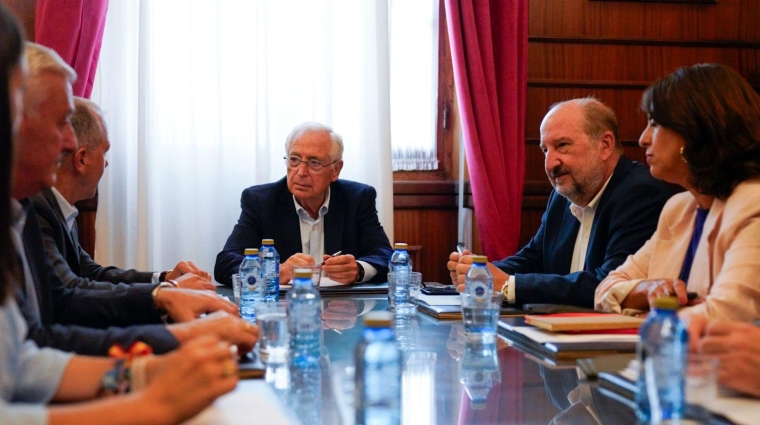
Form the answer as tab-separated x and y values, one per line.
85	321
625	218
71	262
351	226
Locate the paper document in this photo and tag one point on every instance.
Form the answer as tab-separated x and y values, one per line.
441	299
325	282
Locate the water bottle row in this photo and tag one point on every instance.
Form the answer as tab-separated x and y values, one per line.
259	276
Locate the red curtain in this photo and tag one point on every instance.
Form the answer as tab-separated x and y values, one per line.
74	29
489	46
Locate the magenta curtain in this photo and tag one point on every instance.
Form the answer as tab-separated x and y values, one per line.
74	29
489	46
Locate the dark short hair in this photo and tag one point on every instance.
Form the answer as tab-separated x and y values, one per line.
11	47
717	113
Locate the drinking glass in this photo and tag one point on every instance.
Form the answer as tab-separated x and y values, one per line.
272	318
480	314
404	292
236	288
316	273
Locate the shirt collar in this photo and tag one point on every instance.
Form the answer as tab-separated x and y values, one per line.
69	211
322	210
577	211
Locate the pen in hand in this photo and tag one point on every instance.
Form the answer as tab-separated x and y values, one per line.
334	255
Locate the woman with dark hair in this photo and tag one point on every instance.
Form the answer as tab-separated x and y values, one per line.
703	133
162	389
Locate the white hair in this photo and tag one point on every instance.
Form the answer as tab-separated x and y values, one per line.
44	59
336	153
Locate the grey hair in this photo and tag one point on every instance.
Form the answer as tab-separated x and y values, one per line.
597	118
44	59
336	153
88	123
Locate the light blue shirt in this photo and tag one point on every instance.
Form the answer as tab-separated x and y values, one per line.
29	375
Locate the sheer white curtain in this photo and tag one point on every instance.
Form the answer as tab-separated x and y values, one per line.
199	96
414	83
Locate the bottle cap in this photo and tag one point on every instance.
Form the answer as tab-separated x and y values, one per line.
378	319
480	259
400	245
267	241
251	251
666	303
302	273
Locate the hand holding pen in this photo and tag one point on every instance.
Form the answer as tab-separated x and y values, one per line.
330	256
341	268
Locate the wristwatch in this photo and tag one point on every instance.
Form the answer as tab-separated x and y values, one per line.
162	275
359	272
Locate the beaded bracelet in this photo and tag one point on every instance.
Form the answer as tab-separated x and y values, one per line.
118	380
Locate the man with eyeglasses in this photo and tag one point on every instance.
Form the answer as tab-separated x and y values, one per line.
311	214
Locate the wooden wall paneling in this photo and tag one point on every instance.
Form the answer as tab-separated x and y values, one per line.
25	11
726	20
430	228
569	63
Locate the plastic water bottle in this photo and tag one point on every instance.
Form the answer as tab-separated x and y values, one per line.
400	265
378	373
304	319
400	260
479	282
270	262
252	284
662	354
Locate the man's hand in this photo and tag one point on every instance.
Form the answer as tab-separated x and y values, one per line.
193	281
184	305
184	267
737	347
342	269
459	265
221	324
297	259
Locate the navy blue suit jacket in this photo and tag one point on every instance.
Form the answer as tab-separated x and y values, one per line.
351	226
85	321
625	218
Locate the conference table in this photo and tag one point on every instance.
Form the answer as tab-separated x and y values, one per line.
444	381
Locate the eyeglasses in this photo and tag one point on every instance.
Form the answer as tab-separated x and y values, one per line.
314	165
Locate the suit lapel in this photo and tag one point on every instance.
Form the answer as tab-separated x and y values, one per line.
334	221
568	233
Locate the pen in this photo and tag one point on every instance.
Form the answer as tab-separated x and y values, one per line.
460	247
334	255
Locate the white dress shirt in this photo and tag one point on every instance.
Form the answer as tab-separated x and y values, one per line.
586	217
313	235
